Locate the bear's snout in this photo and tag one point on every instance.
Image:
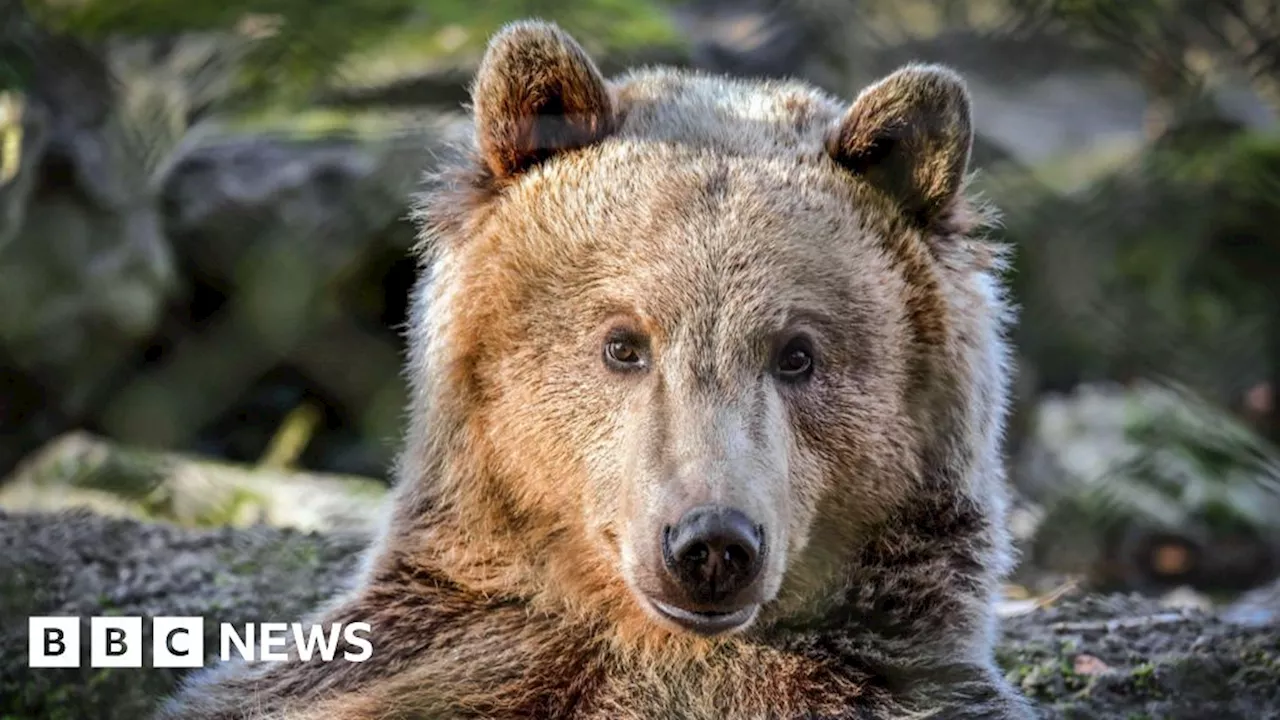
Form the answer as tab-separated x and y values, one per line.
713	553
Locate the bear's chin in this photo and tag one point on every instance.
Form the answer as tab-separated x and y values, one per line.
706	624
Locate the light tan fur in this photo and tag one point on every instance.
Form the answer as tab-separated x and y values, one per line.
715	218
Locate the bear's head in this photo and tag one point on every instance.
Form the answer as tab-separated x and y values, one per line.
683	342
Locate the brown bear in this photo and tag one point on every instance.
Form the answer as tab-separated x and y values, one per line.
708	387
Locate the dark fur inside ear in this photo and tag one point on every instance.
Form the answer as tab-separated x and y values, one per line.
537	93
909	135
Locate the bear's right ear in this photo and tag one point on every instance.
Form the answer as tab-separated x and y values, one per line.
909	135
536	93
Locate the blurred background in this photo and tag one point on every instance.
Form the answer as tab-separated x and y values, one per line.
204	247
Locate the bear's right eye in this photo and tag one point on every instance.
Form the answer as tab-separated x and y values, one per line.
795	360
624	353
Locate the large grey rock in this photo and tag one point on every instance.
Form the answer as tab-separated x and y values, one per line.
31	123
86	267
235	196
293	227
84	565
120	211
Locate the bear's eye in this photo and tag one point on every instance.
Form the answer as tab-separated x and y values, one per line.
795	360
624	352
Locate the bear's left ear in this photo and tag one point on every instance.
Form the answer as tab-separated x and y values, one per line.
536	93
909	135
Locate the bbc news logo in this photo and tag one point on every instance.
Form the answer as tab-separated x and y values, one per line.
178	642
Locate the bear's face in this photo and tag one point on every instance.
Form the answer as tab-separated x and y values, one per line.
690	347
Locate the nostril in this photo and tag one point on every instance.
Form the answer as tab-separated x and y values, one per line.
737	555
713	552
698	554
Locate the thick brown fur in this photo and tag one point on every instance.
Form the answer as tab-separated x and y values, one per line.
711	217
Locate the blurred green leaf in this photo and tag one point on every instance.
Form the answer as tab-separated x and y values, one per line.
295	46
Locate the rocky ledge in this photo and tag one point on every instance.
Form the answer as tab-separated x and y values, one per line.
1090	657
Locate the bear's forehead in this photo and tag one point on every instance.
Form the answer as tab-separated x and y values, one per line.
722	114
672	230
694	151
644	203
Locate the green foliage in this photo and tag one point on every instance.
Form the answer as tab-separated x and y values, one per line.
295	46
16	36
1136	20
296	40
1203	461
1162	265
1177	46
1174	463
1214	198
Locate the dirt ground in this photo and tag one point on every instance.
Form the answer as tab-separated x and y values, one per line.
1131	659
1090	657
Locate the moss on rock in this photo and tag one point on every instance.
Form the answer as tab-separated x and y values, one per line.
80	471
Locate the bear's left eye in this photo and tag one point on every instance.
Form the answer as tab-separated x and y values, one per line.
624	352
795	360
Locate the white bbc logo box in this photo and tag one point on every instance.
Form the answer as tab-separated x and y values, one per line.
53	642
115	642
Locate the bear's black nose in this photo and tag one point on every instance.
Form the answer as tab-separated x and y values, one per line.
713	552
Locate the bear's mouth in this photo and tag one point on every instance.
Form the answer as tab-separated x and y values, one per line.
706	622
